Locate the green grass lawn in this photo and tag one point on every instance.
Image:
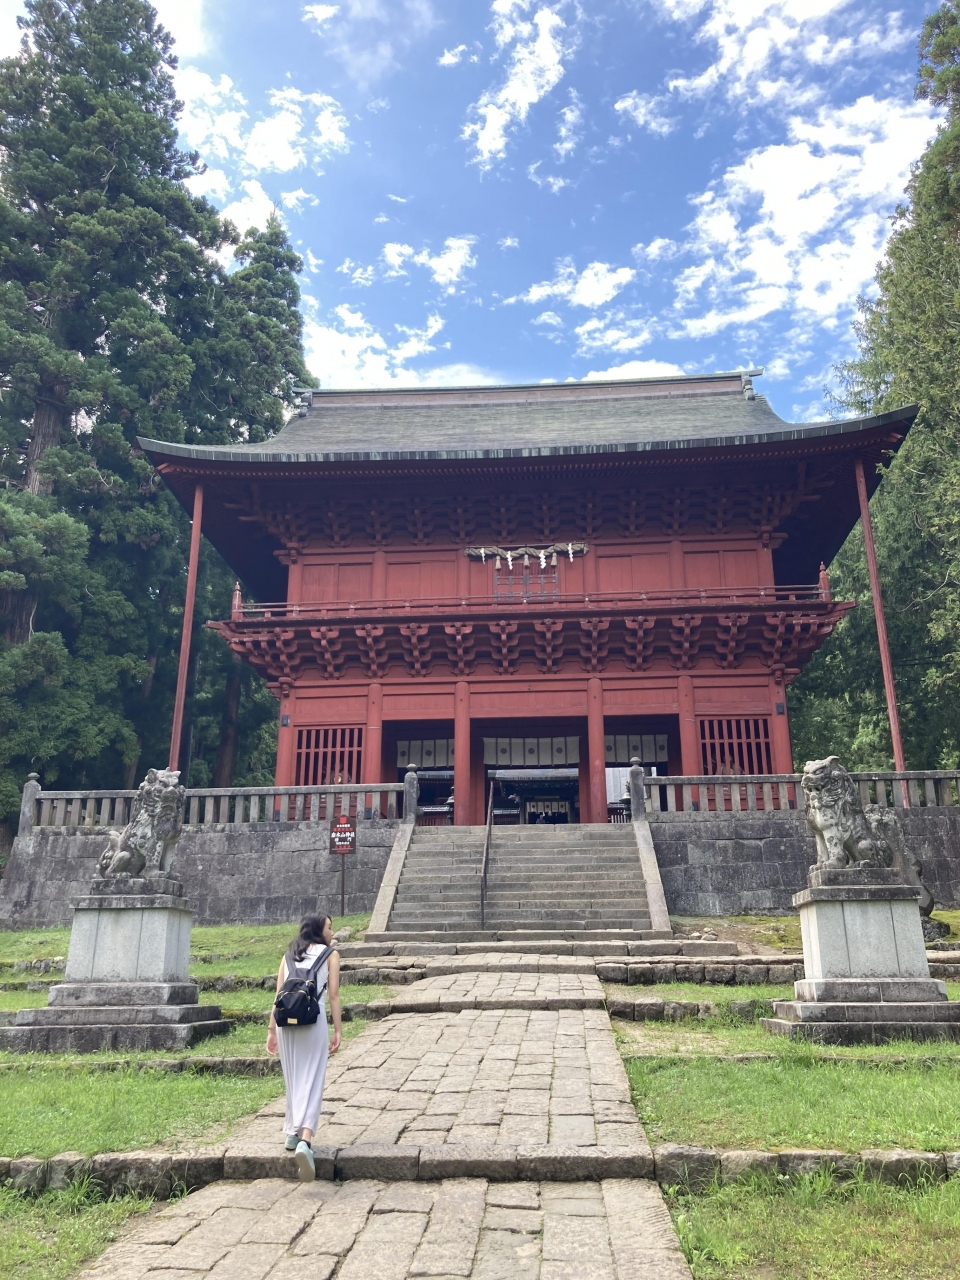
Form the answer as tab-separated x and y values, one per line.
251	950
797	1100
49	1109
49	1237
818	1229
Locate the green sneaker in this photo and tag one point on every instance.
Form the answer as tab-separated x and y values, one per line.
291	1142
306	1166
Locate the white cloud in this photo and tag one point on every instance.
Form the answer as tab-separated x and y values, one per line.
447	268
508	242
635	369
799	225
213	184
534	68
615	332
350	352
10	34
213	114
313	262
186	22
548	318
253	209
358	275
371	37
320	13
381	217
569	128
379	104
763	46
656	251
595	286
450	57
295	199
281	141
646	111
550	181
398	199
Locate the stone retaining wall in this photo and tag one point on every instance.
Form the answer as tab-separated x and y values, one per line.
710	864
725	864
268	873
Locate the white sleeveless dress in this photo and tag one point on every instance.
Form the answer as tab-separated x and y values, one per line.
303	1057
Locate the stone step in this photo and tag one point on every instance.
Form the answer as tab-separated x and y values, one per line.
114	1015
849	1033
813	1011
123	993
109	1036
553	941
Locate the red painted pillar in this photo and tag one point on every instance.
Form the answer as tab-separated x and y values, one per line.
188	604
690	761
373	735
781	747
286	739
885	660
596	753
462	807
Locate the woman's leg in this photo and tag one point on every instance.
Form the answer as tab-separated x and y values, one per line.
306	1134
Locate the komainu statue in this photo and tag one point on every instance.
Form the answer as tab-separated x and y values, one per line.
844	836
887	825
147	842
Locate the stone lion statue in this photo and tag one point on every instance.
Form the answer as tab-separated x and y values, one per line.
148	840
844	836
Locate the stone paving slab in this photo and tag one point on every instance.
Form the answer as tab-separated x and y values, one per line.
474	989
616	1229
519	1086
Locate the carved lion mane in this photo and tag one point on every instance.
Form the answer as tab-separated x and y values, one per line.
150	837
835	816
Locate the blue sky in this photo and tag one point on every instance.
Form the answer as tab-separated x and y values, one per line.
540	190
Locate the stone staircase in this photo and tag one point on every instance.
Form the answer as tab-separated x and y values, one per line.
566	877
439	887
548	880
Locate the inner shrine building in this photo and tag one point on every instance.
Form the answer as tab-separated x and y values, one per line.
532	583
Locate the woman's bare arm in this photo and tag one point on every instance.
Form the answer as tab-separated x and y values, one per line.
272	1045
333	991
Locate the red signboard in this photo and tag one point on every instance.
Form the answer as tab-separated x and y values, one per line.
343	835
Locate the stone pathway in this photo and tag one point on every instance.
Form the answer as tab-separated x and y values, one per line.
494	1093
616	1229
501	990
490	1136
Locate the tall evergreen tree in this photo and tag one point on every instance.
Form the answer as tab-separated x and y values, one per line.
909	352
116	320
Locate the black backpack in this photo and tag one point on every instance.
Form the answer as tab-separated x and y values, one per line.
298	1002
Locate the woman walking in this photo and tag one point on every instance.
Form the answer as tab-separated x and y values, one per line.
304	1048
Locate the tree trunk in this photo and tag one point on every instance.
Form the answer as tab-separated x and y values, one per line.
17	609
226	761
49	421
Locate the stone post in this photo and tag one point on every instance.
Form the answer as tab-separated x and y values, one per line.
411	795
638	804
28	804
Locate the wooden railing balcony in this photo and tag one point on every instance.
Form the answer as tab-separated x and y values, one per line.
707	599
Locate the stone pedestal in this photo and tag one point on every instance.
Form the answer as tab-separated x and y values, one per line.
867	978
131	930
127	983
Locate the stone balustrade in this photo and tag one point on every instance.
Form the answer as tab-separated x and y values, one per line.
221	806
769	793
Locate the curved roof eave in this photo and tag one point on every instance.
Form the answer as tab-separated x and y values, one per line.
224	453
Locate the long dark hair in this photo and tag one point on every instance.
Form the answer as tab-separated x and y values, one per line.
311	932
